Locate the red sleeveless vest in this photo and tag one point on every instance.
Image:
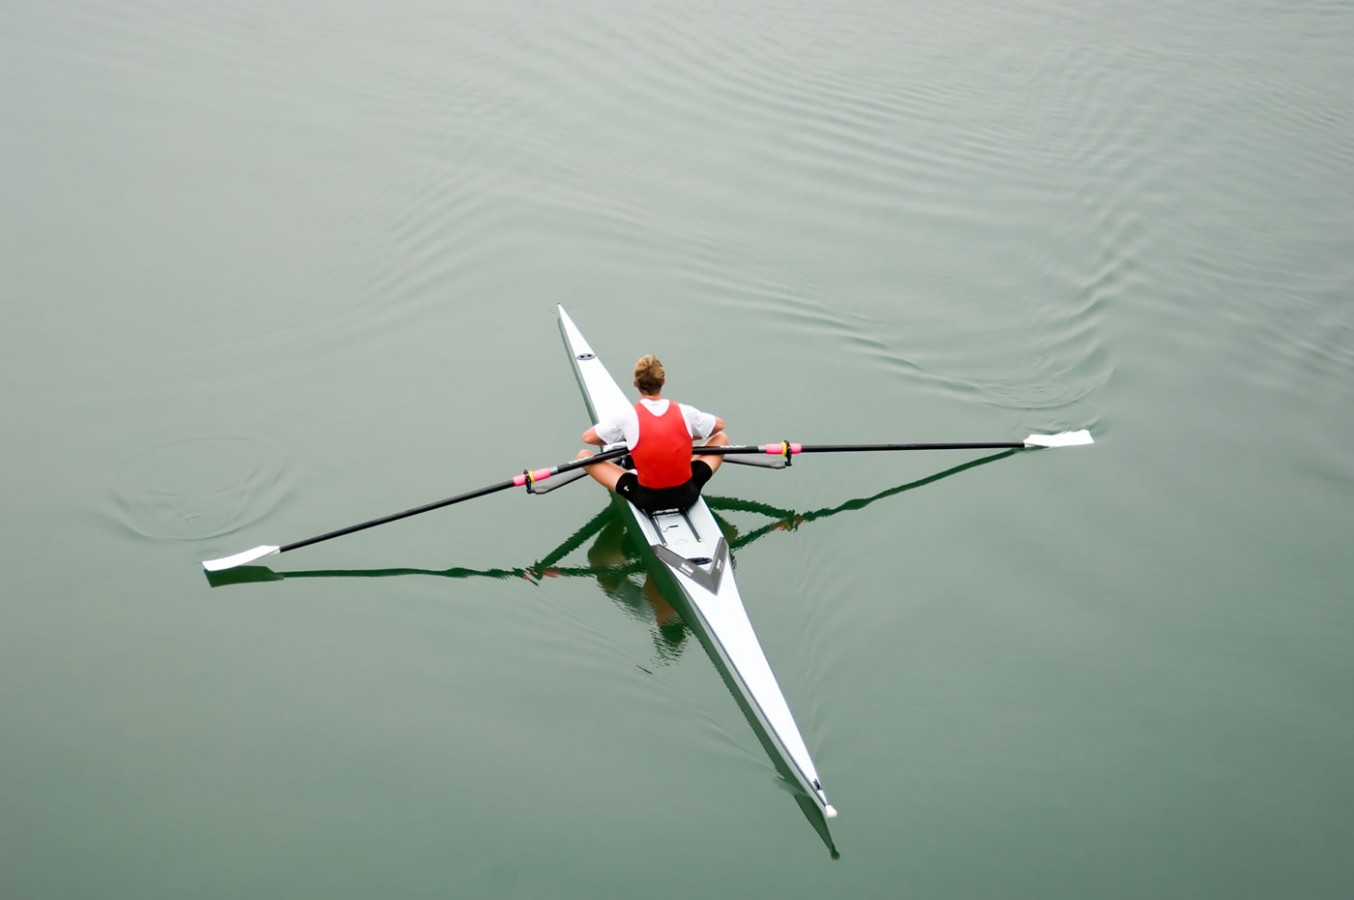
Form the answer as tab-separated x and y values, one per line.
662	454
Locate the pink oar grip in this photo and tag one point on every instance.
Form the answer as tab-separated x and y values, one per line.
536	475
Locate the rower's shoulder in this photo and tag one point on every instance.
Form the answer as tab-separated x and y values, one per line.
692	409
623	414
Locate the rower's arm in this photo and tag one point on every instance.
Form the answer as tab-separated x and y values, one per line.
590	437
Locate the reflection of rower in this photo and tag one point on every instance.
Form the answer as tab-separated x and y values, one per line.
615	575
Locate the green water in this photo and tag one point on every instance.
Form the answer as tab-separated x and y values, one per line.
272	269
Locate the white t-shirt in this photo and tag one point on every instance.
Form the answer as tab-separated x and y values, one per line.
625	427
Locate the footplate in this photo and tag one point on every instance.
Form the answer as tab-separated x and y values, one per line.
705	571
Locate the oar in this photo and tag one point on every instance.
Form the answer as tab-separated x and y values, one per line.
786	449
526	479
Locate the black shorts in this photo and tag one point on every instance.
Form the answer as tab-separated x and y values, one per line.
653	499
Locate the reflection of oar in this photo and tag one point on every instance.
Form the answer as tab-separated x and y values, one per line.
259	574
789	519
253	574
526	479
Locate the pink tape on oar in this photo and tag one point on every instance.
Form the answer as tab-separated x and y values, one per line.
538	475
779	449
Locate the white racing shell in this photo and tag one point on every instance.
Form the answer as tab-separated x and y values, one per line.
693	549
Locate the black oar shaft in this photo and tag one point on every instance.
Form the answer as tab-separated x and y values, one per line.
855	448
516	481
776	449
427	507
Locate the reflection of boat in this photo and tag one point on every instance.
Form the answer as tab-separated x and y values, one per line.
688	555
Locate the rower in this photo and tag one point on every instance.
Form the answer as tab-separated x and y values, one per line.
660	434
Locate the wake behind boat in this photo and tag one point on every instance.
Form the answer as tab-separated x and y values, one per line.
687	549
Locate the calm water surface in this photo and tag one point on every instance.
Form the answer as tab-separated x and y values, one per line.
271	269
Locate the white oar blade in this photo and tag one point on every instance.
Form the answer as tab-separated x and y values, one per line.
239	559
1062	439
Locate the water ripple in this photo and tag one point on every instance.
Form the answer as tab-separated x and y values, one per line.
186	489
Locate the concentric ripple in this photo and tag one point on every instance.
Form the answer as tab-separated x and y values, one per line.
185	489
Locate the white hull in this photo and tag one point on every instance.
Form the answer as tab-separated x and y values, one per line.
693	550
